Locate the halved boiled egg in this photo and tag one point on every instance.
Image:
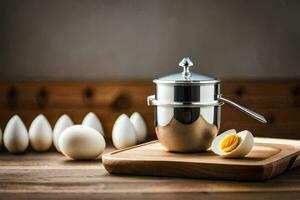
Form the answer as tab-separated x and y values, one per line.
231	144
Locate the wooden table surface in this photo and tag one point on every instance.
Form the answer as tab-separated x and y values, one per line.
52	176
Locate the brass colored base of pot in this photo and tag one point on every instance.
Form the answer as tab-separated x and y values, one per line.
193	137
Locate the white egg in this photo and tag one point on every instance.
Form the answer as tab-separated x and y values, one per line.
15	136
81	142
62	123
1	138
91	120
246	142
123	133
40	134
139	126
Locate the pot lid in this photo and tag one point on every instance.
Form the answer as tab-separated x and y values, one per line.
186	76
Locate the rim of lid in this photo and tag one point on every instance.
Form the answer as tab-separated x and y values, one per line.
186	82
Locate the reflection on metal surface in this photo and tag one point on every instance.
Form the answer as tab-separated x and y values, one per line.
189	132
188	110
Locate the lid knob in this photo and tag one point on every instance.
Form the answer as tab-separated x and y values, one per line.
186	63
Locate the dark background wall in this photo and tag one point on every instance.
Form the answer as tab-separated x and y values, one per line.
139	39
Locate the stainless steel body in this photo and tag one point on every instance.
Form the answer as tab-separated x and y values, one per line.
188	110
187	129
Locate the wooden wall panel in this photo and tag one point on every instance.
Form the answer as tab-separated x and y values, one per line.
278	100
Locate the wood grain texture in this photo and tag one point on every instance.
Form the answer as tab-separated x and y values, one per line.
278	100
52	176
266	160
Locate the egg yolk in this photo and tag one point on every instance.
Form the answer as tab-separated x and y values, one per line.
229	142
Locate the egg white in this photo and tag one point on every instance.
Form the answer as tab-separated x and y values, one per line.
244	147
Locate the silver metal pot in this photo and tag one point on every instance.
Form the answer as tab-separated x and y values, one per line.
188	110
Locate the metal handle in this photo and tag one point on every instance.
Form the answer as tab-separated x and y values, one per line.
150	100
251	113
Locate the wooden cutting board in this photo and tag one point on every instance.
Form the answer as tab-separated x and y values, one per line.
268	158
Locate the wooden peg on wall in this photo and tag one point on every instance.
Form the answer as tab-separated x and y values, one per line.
87	95
42	97
12	97
240	91
295	91
121	102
